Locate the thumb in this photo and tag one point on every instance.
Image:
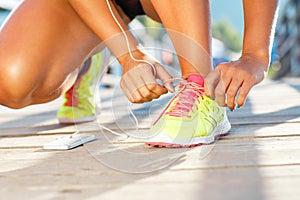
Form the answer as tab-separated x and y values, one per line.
164	76
211	82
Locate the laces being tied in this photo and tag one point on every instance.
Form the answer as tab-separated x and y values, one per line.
189	92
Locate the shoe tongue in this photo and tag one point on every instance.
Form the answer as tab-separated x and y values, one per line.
196	79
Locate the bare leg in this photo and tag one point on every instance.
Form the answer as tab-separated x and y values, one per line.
188	24
42	46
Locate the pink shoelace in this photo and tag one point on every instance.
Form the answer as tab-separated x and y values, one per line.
188	93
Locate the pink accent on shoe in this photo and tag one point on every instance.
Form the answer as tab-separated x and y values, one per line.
69	98
196	79
71	102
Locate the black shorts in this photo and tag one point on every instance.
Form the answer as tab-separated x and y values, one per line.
132	8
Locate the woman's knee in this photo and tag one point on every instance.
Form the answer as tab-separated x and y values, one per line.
17	84
23	84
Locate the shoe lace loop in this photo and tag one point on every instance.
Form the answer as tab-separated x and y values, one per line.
184	101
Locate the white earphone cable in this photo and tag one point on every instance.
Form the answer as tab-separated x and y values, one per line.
133	58
127	40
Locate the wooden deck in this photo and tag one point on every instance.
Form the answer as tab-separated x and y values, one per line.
260	159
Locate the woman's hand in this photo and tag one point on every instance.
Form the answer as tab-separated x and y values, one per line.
139	82
230	83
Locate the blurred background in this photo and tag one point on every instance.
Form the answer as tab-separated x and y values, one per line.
227	30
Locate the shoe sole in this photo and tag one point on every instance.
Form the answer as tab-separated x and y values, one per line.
163	140
170	145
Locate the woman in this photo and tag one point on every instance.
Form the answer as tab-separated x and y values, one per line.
44	43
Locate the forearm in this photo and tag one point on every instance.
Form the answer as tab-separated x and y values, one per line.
96	14
259	17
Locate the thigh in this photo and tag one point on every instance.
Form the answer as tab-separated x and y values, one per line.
149	10
42	44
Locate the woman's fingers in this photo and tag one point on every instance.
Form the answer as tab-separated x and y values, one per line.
164	76
139	84
244	91
232	93
211	82
220	94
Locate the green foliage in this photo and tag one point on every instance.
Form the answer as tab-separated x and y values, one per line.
224	31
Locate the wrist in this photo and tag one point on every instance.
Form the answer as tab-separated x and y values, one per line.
125	58
262	57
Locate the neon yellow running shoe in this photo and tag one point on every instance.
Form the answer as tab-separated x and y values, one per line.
82	101
190	118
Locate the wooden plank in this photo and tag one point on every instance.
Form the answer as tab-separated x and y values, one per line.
107	119
27	142
38	138
264	130
241	183
225	154
245	152
37	130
